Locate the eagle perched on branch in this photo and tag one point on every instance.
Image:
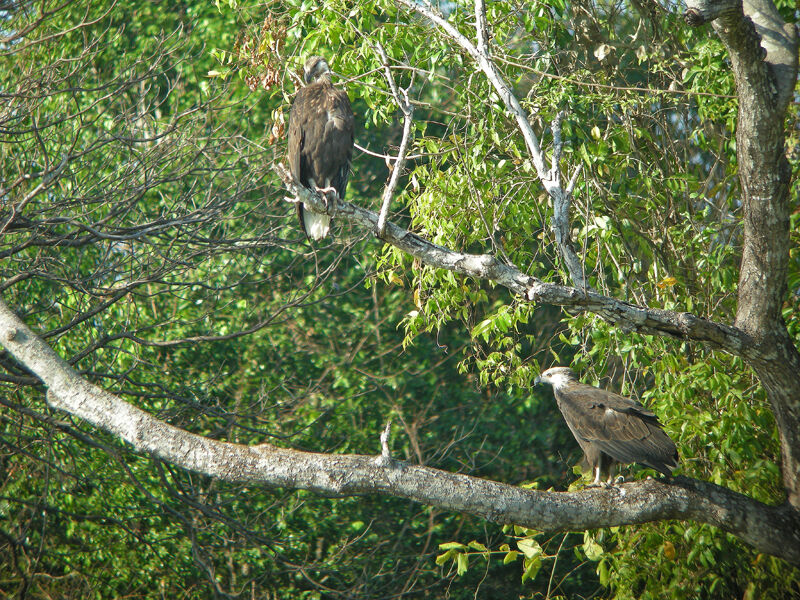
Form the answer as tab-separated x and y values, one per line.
610	428
320	143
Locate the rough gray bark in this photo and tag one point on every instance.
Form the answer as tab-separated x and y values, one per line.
269	465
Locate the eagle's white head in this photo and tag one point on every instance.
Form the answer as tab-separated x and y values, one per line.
316	69
558	377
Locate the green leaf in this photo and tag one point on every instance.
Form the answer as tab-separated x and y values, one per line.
592	549
475	545
462	563
532	567
529	547
452	546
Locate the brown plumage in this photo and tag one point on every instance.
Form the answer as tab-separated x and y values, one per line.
320	143
609	427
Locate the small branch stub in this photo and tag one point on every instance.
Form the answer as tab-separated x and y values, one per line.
385	457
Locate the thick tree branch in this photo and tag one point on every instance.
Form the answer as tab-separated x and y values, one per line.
774	530
779	39
481	27
747	28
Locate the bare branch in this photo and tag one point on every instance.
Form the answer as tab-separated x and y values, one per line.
573	180
561	228
558	146
386	454
482	27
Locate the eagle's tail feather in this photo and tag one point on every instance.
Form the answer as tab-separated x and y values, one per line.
316	225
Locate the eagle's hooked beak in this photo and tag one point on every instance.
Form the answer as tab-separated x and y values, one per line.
538	380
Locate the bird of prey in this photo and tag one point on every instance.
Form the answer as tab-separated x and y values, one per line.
610	428
320	143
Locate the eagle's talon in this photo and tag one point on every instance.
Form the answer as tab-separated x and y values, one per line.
606	485
329	196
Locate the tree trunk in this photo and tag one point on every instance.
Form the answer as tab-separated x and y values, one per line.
763	52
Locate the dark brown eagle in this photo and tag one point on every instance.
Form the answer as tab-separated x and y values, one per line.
320	142
610	428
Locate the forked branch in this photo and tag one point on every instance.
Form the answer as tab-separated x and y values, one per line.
550	178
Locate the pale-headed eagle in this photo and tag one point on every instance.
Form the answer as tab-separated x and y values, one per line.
320	141
609	427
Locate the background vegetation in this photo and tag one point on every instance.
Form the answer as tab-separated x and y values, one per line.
144	235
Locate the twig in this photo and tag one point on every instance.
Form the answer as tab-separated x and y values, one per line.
47	178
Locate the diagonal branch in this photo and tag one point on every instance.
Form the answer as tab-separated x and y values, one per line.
774	530
495	78
627	316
